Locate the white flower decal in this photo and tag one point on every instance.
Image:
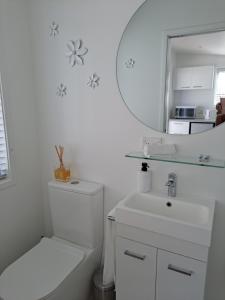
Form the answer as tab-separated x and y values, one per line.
61	90
54	29
93	81
130	63
76	52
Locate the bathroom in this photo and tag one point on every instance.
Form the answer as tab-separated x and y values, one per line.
93	123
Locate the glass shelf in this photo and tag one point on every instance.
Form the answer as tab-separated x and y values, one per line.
178	159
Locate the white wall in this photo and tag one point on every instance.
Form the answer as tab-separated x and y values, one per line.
96	123
190	60
203	98
21	222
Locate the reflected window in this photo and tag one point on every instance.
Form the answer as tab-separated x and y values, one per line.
4	161
220	85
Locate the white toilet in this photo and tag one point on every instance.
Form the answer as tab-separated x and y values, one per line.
61	267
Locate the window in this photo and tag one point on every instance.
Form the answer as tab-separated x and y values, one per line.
4	161
220	85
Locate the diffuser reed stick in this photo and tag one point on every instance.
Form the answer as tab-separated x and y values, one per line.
60	152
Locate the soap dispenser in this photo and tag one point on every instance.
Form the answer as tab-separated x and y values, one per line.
144	179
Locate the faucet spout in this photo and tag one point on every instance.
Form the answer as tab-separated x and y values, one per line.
172	185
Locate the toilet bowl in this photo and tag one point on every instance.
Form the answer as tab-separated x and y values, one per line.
57	268
43	271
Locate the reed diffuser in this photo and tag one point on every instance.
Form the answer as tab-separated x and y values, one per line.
61	173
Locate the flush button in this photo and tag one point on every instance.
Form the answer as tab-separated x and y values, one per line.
73	182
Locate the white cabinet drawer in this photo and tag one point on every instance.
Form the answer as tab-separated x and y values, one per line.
179	277
179	127
135	270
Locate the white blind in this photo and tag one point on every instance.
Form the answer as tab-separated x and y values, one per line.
3	144
220	85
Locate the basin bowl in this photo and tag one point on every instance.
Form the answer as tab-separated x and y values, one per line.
189	219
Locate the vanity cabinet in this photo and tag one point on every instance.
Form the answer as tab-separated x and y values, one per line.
135	270
193	78
179	277
149	273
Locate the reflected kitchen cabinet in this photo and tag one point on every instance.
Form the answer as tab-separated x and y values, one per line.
179	127
192	78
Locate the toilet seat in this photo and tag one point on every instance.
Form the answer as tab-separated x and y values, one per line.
40	271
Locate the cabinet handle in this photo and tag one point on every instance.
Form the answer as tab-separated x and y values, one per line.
180	270
185	87
197	86
134	255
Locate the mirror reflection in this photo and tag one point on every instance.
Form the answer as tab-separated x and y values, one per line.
171	66
195	99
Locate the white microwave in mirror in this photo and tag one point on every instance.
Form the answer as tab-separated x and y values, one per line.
185	112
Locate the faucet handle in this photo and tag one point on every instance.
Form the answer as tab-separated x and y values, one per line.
172	179
170	182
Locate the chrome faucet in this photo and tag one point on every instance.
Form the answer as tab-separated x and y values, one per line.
172	185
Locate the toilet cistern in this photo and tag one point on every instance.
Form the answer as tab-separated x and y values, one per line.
172	184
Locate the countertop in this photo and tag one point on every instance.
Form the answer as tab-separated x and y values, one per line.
195	120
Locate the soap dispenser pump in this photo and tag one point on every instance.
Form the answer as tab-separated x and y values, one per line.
144	183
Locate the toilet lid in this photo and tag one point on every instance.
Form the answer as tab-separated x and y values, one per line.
40	271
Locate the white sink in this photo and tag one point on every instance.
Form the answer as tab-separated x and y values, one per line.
189	220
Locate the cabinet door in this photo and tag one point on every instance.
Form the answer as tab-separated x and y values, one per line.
178	127
203	77
179	277
200	127
135	270
183	79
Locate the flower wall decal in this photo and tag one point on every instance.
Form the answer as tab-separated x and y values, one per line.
93	81
130	63
76	52
61	90
54	29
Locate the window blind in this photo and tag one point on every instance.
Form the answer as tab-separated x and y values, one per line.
3	144
220	85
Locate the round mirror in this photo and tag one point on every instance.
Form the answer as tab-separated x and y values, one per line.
171	65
